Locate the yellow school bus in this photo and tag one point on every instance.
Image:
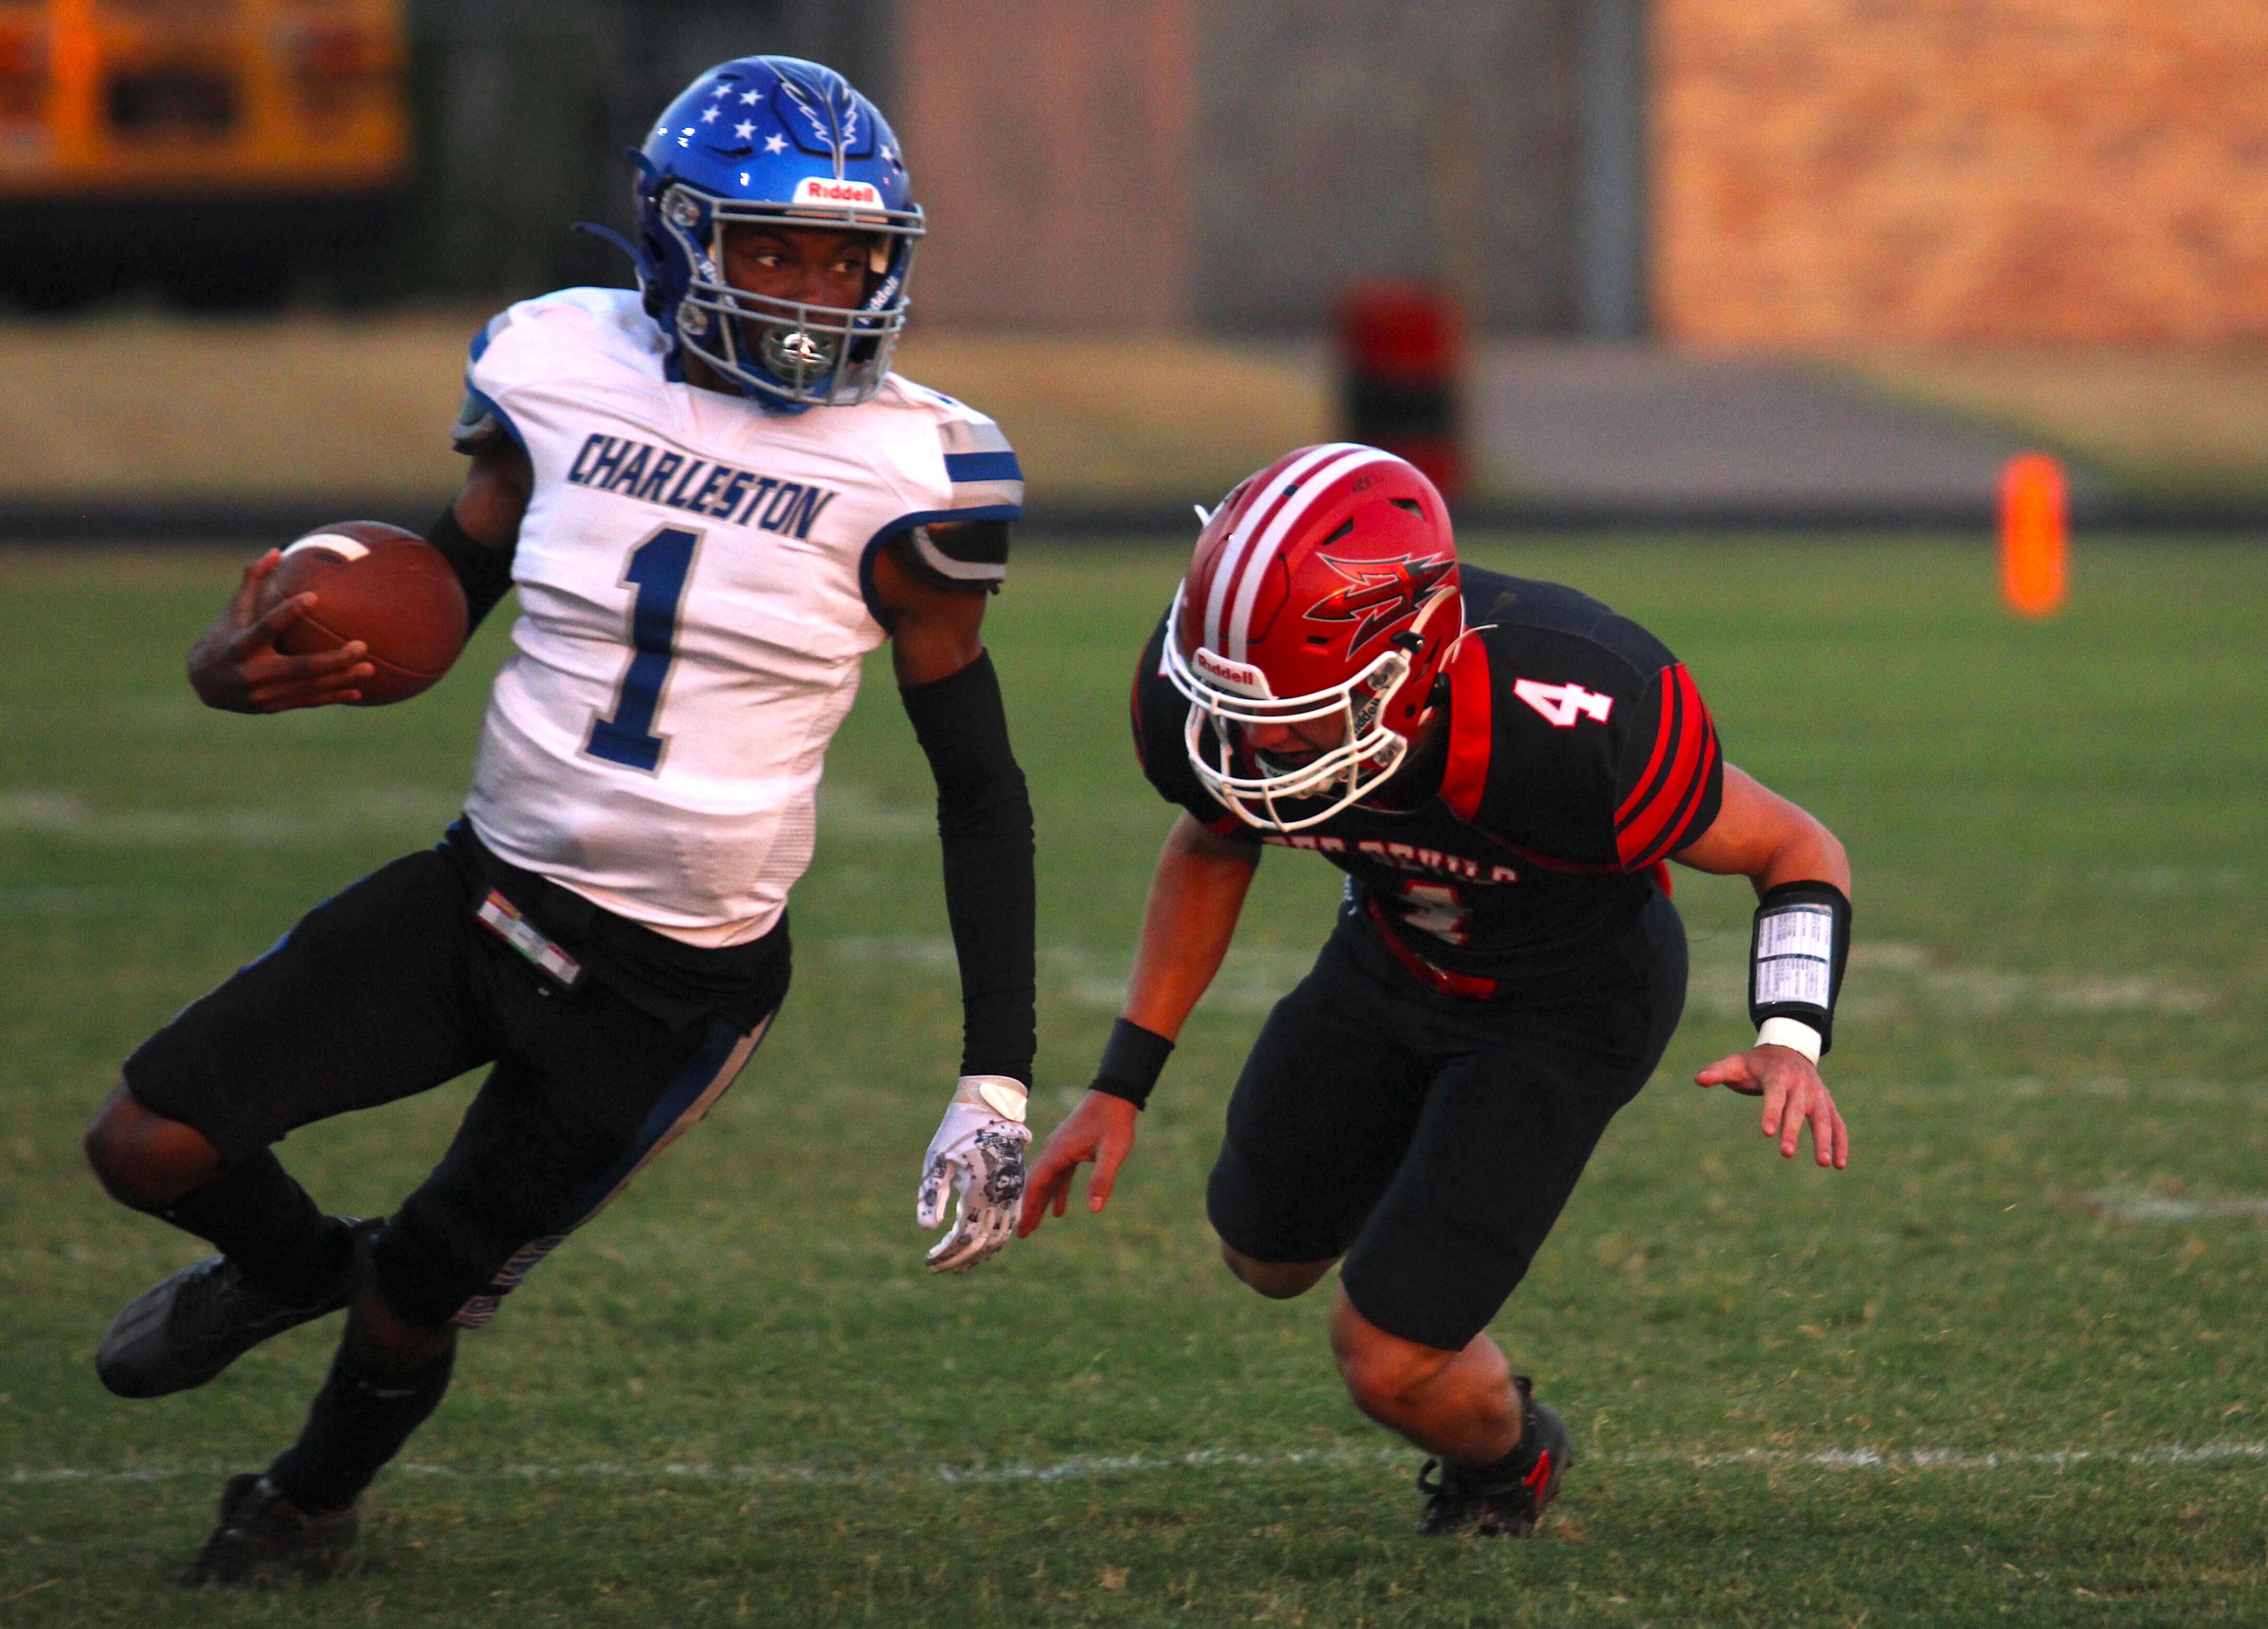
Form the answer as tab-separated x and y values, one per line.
169	131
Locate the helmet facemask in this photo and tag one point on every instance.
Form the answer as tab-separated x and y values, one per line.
788	351
1229	698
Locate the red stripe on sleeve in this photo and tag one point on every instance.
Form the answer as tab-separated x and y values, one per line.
1679	829
1664	733
1642	834
1471	723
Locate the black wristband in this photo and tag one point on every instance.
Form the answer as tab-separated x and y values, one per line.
1132	1060
1797	951
485	572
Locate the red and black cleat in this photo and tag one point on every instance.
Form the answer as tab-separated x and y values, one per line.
1505	1500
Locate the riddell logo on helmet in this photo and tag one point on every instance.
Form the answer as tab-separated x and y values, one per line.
814	189
1236	677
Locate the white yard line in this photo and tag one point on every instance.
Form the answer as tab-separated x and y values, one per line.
1088	1466
2159	1207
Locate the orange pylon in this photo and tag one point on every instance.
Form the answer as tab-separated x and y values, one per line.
2035	534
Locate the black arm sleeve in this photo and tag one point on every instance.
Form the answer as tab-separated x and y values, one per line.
485	573
985	820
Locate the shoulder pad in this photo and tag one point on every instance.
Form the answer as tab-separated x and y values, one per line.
476	426
965	552
980	464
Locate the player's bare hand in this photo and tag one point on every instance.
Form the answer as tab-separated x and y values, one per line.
1795	1097
1100	1130
236	666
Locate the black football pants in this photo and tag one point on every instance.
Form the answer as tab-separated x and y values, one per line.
391	989
1429	1139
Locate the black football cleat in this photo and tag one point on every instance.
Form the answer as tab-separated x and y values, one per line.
179	1333
264	1538
1506	1500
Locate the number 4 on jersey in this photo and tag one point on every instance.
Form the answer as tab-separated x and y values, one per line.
1563	704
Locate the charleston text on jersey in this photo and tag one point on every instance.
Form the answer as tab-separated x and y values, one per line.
742	497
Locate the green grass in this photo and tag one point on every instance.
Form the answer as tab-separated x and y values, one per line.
2056	1010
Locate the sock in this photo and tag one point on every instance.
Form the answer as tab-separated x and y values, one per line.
254	1214
361	1418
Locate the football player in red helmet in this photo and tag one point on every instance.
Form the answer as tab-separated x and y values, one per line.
1500	767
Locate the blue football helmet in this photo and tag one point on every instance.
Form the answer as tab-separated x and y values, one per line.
787	143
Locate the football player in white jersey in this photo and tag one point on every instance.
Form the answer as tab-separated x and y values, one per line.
714	498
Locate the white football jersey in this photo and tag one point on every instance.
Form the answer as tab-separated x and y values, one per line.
696	594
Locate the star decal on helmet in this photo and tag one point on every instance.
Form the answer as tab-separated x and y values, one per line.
1379	593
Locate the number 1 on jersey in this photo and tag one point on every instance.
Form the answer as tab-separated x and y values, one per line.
657	570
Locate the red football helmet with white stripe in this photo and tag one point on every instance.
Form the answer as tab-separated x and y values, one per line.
1323	591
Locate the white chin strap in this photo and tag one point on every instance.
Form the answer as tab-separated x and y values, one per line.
1364	759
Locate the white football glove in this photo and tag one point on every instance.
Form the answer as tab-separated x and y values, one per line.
978	1153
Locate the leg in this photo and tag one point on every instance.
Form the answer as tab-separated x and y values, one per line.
590	1091
362	1003
1277	1280
1506	1133
300	1520
1324	1108
145	1161
260	1220
388	1377
1459	1404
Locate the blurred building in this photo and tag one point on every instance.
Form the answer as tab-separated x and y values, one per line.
1960	169
1200	163
1761	172
1745	173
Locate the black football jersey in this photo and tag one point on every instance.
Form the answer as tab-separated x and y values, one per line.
1579	754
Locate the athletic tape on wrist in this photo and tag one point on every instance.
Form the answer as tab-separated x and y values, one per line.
1132	1059
1791	1033
1796	955
1000	1094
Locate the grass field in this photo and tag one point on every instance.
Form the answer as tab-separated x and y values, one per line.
2009	1369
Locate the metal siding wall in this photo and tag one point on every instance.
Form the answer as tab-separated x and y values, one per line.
1614	235
1342	139
1048	141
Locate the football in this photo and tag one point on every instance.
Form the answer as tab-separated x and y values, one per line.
389	588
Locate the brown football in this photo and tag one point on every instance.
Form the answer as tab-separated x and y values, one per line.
389	588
